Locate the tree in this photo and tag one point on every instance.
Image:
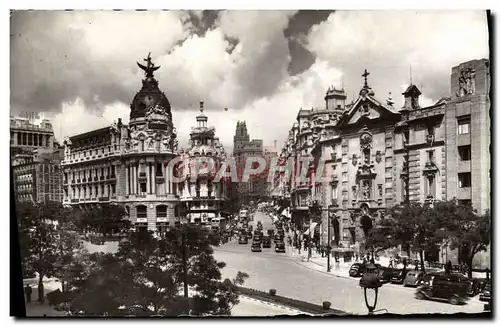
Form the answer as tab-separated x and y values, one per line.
468	231
37	225
147	274
380	237
418	227
103	219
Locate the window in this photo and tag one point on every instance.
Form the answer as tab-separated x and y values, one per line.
345	234
143	188
161	211
464	153
406	137
464	125
142	211
430	130
465	202
464	180
159	169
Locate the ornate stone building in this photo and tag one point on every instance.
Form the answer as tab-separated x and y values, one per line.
128	164
204	200
27	135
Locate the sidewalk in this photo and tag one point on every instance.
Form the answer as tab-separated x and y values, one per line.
318	263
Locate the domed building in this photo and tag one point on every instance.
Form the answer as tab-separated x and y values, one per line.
204	198
128	164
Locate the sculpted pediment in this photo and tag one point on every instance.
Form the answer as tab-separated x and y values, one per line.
365	109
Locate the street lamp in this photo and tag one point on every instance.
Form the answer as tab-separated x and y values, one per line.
371	281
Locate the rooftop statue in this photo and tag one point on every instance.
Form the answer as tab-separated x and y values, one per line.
150	66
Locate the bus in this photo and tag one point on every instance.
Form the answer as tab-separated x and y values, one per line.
243	216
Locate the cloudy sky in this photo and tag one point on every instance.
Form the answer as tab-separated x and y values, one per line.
79	67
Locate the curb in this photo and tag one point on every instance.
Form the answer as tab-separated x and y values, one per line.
276	305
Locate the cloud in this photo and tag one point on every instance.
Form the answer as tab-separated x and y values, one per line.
389	42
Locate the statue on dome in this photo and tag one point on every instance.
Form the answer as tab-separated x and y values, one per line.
150	66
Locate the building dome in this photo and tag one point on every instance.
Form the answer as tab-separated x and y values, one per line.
150	96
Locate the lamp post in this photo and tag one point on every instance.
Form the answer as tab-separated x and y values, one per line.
328	243
371	281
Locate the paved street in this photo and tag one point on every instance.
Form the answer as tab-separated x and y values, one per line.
251	307
291	278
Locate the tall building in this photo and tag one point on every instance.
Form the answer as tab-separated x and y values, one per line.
244	148
128	164
38	175
204	201
468	153
270	156
26	134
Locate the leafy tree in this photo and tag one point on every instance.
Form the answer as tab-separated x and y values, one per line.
103	219
380	237
147	274
418	227
466	230
38	236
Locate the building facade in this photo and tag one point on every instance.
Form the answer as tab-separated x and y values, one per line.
27	135
38	176
204	200
128	164
376	155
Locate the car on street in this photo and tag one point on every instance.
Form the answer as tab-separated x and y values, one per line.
356	270
447	287
279	247
256	247
242	239
257	238
385	274
486	294
399	276
266	242
414	278
270	233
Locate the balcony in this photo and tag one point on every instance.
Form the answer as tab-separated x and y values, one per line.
101	199
84	180
96	178
75	200
111	177
101	178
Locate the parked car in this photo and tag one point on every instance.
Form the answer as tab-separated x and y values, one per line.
414	278
399	276
242	239
266	242
256	247
279	246
486	294
257	238
447	287
385	274
270	233
357	270
278	237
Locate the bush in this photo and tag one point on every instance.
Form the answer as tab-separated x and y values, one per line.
57	297
272	292
326	305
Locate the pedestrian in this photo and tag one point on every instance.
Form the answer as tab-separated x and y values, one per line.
447	267
390	263
27	292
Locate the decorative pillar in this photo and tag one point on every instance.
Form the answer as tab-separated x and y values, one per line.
153	178
134	174
148	181
127	181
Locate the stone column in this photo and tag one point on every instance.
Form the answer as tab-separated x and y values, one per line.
35	139
148	175
127	181
134	178
153	178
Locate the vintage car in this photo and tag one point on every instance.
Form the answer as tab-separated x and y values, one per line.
486	293
279	246
256	247
447	287
414	278
399	276
242	239
266	242
356	270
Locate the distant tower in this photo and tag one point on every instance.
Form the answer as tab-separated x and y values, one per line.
241	137
412	95
335	98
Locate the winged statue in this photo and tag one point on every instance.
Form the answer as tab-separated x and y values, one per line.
150	67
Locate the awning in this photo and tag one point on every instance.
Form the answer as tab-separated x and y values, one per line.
313	225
